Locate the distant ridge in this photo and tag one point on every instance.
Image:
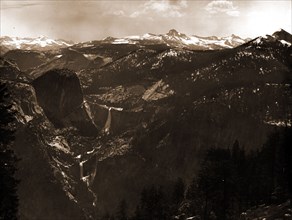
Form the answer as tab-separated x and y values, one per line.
172	38
39	43
175	38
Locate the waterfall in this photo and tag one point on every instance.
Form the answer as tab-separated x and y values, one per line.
81	169
108	122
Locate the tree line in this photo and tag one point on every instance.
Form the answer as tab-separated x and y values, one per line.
229	182
8	160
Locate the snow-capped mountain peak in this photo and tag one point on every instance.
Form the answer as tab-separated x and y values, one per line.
175	33
280	36
39	43
283	35
176	39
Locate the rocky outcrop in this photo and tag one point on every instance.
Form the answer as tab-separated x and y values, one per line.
283	35
8	69
59	94
48	188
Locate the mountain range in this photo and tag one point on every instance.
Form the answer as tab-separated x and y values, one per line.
39	43
176	39
98	121
173	38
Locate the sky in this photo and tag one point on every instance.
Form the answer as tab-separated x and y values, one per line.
81	20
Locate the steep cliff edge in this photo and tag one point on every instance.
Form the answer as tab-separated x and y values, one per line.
50	186
59	94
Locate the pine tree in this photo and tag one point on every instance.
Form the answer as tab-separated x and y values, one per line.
153	205
178	195
122	211
194	198
8	183
286	145
178	191
215	182
239	177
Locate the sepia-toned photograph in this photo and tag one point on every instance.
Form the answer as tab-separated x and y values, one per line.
146	110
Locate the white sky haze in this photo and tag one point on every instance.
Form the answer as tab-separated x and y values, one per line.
80	20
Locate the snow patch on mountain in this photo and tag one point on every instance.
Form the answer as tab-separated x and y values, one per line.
279	123
41	43
281	36
177	39
59	143
121	41
158	90
285	43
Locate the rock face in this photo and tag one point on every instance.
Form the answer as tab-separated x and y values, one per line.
283	35
8	69
41	191
60	95
50	185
